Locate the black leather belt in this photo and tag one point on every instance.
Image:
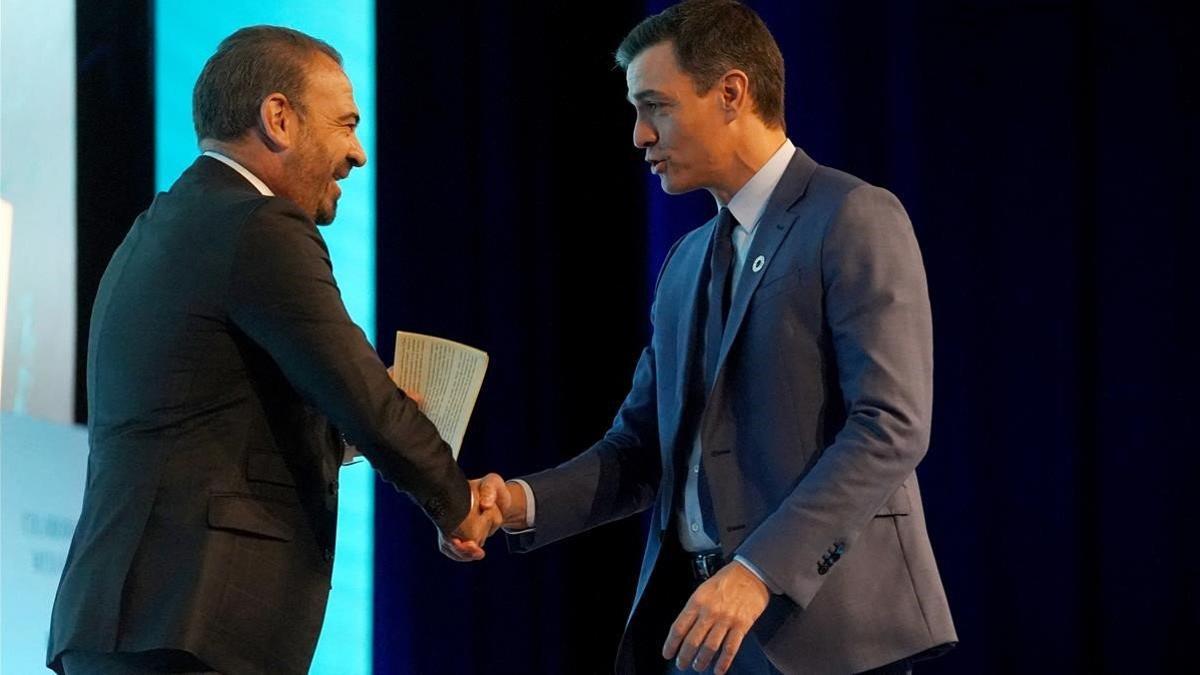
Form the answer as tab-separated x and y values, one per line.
704	565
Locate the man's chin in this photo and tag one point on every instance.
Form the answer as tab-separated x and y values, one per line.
673	187
325	214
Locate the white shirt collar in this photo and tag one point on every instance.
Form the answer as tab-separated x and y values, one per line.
750	201
254	180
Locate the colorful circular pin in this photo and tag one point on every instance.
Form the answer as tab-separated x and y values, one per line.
758	264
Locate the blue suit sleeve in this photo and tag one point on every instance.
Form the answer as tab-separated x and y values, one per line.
877	310
617	477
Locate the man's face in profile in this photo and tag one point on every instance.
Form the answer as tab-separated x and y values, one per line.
328	147
683	133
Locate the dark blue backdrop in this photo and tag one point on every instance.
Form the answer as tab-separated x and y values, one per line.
1045	152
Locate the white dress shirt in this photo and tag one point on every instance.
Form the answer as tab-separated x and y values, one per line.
254	180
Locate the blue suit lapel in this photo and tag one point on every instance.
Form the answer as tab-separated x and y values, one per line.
776	222
691	339
689	344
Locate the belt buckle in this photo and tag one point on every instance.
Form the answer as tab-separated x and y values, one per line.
705	565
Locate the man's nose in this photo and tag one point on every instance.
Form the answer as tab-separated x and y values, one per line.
357	156
644	135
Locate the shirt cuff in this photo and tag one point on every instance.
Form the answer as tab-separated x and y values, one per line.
758	573
530	507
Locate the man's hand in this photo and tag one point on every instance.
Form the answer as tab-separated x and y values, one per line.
465	543
720	612
414	395
417	399
508	502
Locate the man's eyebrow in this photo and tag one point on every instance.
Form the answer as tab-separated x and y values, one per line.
645	94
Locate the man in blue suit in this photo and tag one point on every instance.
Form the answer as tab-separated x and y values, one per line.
777	415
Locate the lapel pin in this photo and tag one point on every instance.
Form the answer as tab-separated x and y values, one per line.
758	264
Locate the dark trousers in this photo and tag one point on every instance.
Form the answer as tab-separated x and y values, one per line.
155	662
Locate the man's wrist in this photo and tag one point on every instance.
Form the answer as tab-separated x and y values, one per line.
522	518
750	567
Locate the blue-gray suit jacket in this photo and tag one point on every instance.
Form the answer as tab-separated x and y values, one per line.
818	416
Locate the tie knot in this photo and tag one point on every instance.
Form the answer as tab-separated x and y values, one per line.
725	222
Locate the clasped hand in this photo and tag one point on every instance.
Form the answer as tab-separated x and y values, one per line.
465	543
494	505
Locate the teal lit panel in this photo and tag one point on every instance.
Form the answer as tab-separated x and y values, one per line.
186	34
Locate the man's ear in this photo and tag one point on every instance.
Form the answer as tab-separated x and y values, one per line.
278	122
735	92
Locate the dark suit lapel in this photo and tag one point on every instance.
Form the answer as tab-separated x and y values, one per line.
689	343
691	334
773	228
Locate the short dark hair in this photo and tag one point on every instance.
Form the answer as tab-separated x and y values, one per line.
248	66
711	37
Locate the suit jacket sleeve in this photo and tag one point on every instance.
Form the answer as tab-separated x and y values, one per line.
617	477
283	296
877	309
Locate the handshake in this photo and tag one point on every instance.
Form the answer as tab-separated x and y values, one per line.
494	504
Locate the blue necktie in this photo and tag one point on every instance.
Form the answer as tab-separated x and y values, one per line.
718	295
716	313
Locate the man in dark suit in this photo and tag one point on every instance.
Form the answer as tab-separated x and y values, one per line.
777	415
223	375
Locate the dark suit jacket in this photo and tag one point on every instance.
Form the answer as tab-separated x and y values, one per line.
220	361
817	418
